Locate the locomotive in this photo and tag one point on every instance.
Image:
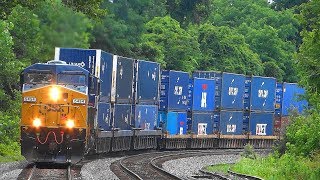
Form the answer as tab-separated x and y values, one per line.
89	101
54	112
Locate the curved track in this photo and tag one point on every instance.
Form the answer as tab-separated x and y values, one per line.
149	165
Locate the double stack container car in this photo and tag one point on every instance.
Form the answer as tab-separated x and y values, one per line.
173	102
136	99
127	97
260	105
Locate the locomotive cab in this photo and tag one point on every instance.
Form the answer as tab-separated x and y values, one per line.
54	112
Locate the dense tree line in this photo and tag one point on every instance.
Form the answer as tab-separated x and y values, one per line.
250	37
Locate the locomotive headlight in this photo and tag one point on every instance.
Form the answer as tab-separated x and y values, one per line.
70	123
36	122
54	93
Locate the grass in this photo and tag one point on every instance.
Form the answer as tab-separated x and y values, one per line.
222	168
273	167
10	152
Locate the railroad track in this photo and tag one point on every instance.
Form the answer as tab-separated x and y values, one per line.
46	171
149	165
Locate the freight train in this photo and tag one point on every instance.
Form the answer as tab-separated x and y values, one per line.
90	101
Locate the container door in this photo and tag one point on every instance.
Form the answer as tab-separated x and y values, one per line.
147	82
231	122
146	117
203	94
182	123
171	124
232	91
261	124
178	91
122	116
125	80
263	94
104	116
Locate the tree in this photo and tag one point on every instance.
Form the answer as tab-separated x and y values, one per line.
189	11
120	30
224	49
26	34
309	52
166	42
62	27
287	4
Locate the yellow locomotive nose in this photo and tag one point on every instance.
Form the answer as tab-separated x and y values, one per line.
55	93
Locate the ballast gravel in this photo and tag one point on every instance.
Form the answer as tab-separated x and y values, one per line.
11	170
98	169
187	167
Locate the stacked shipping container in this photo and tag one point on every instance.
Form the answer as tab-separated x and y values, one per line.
129	89
260	105
225	102
173	102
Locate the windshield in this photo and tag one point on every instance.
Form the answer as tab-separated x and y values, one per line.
39	78
72	79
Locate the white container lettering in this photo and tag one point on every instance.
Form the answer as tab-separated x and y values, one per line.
203	99
261	129
231	128
263	93
233	91
177	90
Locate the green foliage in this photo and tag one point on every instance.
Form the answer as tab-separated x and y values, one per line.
284	167
10	152
189	11
221	168
224	49
90	8
271	69
303	135
62	27
270	34
170	45
286	4
249	152
26	34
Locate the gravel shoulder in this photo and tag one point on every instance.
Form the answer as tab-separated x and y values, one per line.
187	167
98	169
11	170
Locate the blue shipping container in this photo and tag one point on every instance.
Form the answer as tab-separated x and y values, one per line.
261	123
173	122
231	122
216	121
125	80
217	76
279	98
147	87
232	91
202	123
97	62
262	96
104	116
203	94
146	116
292	95
123	116
174	90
